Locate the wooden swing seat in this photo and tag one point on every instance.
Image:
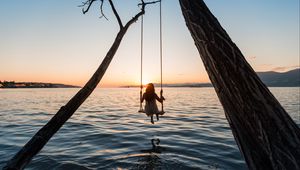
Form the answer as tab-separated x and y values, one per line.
143	111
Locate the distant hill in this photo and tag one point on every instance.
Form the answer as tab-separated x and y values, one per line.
270	78
286	79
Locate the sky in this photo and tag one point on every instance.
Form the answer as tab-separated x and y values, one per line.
52	41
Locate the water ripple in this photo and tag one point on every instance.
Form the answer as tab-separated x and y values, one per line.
107	132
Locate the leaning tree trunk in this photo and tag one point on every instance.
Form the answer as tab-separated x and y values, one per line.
37	142
266	135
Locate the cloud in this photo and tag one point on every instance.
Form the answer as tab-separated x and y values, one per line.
285	68
251	57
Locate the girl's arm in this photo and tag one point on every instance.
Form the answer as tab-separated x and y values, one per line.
143	98
159	99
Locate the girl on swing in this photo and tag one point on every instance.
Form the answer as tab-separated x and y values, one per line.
150	96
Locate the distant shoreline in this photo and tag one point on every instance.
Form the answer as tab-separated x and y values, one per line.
270	79
192	86
18	85
186	85
125	87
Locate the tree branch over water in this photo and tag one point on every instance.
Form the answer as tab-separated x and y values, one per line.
40	139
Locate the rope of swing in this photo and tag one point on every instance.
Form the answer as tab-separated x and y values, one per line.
161	56
142	39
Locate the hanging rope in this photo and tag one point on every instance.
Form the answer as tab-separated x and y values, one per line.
161	57
142	39
161	60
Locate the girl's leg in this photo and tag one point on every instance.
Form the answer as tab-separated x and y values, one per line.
157	118
152	119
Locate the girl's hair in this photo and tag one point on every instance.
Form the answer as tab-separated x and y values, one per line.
150	92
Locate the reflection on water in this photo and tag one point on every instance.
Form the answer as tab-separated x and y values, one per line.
155	147
107	132
151	160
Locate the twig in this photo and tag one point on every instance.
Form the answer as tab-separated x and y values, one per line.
143	4
90	2
147	3
116	13
101	9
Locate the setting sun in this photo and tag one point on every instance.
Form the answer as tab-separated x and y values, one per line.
147	80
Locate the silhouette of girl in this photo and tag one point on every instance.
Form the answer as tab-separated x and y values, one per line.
150	96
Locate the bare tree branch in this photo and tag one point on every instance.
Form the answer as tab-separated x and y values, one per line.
101	10
89	3
147	3
83	4
143	4
116	13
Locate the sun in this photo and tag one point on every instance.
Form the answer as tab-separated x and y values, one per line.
146	81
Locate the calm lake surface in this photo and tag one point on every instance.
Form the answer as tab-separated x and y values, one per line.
106	132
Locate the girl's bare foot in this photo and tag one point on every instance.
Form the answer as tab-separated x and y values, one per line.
152	119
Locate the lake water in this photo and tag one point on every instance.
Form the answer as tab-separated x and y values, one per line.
107	132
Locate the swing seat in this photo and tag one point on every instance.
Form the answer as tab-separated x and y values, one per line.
162	112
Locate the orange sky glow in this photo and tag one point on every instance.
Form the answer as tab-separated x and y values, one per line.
65	46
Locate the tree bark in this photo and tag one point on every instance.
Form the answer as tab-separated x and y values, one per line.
266	135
